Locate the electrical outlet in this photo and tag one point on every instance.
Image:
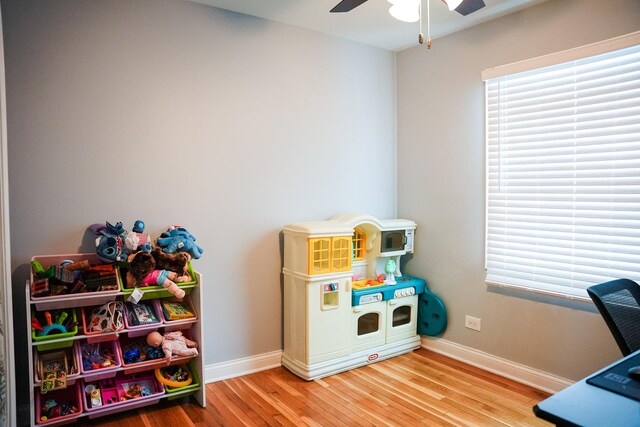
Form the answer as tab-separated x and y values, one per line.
472	323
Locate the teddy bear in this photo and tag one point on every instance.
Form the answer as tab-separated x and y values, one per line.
177	262
173	344
178	239
142	272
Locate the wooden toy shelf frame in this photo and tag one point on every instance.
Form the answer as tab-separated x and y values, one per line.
195	330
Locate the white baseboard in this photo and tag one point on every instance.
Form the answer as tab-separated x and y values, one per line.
244	366
497	365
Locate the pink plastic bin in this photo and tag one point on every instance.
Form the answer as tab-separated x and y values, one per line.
113	394
99	373
145	365
71	378
98	336
139	330
72	300
70	394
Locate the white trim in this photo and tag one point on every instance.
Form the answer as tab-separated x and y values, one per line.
6	303
354	360
244	366
497	365
592	49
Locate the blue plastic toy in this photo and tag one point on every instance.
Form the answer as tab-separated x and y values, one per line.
51	327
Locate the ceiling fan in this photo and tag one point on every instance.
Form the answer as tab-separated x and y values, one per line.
463	7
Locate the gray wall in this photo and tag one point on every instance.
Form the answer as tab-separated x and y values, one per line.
441	151
179	113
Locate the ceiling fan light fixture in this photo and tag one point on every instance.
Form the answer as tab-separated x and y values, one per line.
405	10
453	4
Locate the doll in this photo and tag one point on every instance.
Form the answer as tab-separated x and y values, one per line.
173	343
142	272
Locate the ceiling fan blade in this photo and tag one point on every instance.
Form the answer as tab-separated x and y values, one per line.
347	5
469	6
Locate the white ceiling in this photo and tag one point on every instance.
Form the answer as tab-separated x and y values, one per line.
369	23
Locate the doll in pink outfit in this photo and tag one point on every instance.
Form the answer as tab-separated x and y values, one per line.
173	344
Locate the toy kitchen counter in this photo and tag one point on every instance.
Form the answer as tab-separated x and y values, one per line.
367	291
332	322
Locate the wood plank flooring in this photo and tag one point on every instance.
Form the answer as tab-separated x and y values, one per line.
419	388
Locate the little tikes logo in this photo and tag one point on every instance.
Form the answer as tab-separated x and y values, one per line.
372	357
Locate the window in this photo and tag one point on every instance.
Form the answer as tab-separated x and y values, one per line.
563	170
359	241
341	257
329	254
319	255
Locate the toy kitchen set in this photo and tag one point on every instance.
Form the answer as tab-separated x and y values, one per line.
346	303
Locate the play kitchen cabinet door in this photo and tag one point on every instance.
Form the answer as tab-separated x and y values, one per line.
328	334
74	391
329	254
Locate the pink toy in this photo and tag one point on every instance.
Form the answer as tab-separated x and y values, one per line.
173	343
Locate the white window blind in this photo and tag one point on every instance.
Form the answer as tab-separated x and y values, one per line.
563	175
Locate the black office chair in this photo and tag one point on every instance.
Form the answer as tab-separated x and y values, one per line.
618	302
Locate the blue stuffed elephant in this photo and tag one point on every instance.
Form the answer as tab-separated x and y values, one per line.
178	239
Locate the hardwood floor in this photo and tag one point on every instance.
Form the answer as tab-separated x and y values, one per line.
419	388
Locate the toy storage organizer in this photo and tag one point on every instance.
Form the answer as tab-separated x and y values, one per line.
117	378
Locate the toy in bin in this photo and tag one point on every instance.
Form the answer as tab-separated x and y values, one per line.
173	344
117	390
107	318
97	356
50	328
71	277
114	243
176	310
53	371
139	351
174	376
140	314
54	409
53	329
58	405
142	272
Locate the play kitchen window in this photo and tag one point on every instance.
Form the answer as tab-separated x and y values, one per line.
329	254
359	241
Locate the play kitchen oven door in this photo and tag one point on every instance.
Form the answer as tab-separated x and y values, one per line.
402	314
368	322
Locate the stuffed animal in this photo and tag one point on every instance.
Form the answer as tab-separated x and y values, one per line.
177	262
173	344
110	245
142	272
178	239
136	240
114	243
